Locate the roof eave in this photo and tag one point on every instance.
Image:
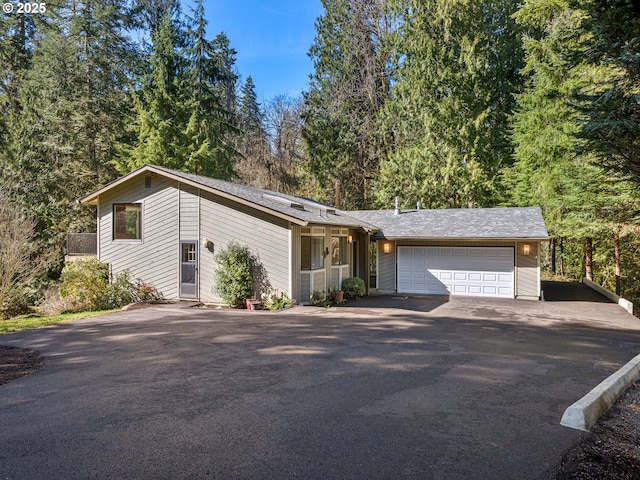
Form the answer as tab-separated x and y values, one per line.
463	239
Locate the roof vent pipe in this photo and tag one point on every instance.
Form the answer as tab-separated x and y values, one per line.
419	205
397	210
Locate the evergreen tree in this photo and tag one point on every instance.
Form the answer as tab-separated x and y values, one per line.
162	107
70	108
225	60
553	168
612	105
181	122
211	125
348	87
255	165
456	70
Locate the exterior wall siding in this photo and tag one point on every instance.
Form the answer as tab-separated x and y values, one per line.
386	267
298	287
155	257
189	213
528	275
223	221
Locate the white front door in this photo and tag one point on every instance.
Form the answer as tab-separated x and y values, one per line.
474	271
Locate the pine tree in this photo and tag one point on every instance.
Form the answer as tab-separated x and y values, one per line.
255	165
348	87
554	169
225	59
456	69
71	108
162	106
612	105
211	125
181	122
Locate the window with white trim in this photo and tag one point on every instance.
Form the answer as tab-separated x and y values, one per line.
127	221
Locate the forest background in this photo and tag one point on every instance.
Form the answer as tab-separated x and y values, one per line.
451	103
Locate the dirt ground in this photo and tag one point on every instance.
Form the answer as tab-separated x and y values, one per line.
611	450
18	362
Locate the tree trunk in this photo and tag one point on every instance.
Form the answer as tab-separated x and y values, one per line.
561	258
616	253
588	258
552	254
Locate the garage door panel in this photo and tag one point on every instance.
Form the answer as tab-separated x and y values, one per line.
483	271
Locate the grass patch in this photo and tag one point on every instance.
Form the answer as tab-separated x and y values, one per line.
20	324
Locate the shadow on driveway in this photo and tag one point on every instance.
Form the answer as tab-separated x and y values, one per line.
449	388
571	292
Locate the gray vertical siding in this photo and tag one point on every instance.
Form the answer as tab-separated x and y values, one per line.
304	292
319	281
386	267
527	271
223	221
298	290
155	257
189	213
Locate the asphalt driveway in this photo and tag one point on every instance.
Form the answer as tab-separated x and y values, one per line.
388	387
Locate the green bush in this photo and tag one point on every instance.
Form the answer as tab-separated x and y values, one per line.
117	294
82	281
233	274
16	302
278	302
353	287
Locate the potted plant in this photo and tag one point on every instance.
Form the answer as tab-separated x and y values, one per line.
337	295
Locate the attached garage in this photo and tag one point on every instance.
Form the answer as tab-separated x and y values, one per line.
489	252
473	271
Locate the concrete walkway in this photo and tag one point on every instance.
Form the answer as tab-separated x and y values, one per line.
388	387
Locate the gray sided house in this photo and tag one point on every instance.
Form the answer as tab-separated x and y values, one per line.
165	227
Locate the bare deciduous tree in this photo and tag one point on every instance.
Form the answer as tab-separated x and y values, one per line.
20	260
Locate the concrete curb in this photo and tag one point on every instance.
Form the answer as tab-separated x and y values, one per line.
623	302
586	411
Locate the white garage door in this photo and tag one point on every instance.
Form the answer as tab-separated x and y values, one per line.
478	271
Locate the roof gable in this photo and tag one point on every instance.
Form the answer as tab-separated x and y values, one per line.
298	210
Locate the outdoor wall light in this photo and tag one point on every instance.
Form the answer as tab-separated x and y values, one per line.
526	249
386	247
350	239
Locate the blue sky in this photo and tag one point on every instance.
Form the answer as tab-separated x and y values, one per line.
272	39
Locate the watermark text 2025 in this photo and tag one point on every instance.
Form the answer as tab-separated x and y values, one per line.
24	7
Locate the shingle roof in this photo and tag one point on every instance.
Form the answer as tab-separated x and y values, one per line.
461	223
295	208
300	208
468	223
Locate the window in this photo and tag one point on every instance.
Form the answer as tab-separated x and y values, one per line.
127	223
312	253
338	250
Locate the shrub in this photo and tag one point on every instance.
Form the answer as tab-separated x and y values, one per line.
233	274
278	302
54	304
147	292
16	302
117	294
353	287
83	279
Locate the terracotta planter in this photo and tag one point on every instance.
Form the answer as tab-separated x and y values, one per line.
251	301
337	296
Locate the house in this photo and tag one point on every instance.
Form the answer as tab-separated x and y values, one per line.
165	226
